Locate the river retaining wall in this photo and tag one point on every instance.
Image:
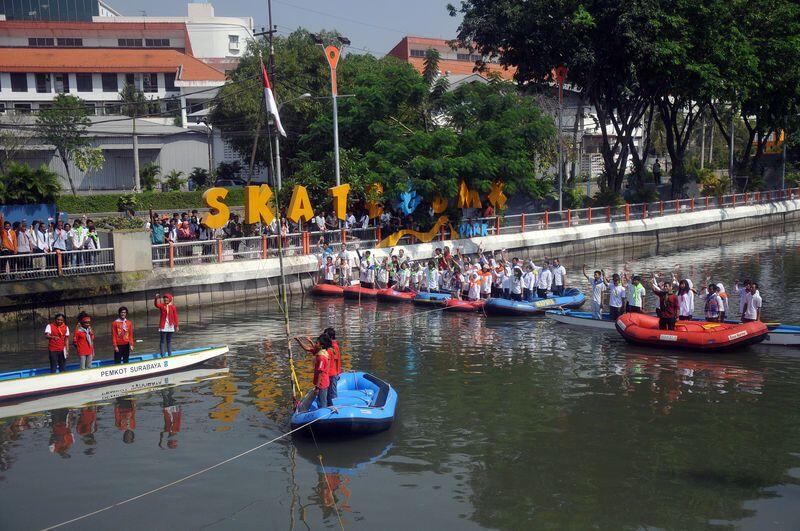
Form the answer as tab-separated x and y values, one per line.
259	280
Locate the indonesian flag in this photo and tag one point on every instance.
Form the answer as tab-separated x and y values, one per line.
269	99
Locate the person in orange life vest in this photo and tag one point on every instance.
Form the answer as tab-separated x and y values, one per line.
122	336
84	340
57	333
125	418
61	438
335	365
87	425
321	370
8	246
168	323
172	420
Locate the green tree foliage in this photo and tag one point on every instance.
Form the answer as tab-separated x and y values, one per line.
134	103
22	185
148	175
174	181
64	126
200	177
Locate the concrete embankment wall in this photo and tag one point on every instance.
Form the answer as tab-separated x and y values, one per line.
258	280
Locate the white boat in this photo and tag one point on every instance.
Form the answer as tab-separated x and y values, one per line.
106	394
783	335
572	317
32	382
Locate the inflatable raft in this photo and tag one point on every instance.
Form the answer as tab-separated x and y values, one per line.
461	305
571	317
327	290
390	295
355	292
435	299
364	404
571	299
642	329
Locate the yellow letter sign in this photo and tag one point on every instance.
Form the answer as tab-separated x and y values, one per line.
300	205
257	204
219	214
339	194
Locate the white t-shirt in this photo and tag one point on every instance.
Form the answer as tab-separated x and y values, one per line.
753	305
545	279
744	296
558	275
724	296
616	294
686	304
364	221
598	287
486	283
515	285
528	280
474	289
48	330
328	270
402	278
320	221
351	221
431	279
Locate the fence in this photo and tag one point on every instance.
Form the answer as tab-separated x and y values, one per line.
32	266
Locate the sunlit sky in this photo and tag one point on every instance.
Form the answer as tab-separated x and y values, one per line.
372	25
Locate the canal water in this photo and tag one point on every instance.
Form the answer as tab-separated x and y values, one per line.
502	423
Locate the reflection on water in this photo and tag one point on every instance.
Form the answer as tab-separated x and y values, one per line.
502	423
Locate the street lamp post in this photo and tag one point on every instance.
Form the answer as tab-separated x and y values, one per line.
332	54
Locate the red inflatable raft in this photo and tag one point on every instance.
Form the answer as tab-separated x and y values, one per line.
326	290
643	329
390	295
460	305
352	292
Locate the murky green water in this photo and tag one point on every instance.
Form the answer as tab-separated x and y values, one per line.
503	423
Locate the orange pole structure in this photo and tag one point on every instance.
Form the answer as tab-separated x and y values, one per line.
569	218
60	265
691	204
644	210
441	234
306	242
608	214
497	224
378	233
734	200
707	202
661	208
589	215
627	211
522	223
546	219
746	197
344	236
219	251
264	246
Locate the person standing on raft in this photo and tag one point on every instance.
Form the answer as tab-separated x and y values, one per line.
57	333
168	324
122	336
598	284
668	304
84	340
335	364
322	380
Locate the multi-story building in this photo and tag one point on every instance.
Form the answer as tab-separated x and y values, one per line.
459	61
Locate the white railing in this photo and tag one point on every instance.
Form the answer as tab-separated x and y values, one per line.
32	266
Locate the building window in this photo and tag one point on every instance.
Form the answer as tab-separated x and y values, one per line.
19	82
417	53
62	83
150	82
90	109
110	83
69	42
40	41
2	108
43	83
134	80
156	43
233	42
169	82
84	82
23	108
44	106
129	43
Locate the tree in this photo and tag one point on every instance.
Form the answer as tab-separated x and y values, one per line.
200	177
133	103
13	138
174	181
64	126
20	184
148	175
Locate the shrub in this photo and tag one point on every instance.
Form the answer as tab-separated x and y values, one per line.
200	177
25	186
145	201
148	175
174	181
127	202
121	223
573	198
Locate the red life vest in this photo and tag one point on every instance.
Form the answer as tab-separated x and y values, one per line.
58	337
335	365
321	368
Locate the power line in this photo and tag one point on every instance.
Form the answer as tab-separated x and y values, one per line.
346	19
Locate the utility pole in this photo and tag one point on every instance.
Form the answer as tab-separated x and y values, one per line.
783	165
137	181
703	144
561	75
733	137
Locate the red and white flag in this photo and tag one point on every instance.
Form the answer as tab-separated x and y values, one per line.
269	99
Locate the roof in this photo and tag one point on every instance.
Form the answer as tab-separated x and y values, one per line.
107	60
105	126
91	26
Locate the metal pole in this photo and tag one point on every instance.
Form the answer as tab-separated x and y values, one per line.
336	139
703	144
733	183
210	155
278	162
783	165
560	146
137	182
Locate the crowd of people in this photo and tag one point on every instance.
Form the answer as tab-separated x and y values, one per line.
83	339
24	246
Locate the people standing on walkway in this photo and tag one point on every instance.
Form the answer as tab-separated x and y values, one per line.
77	238
322	370
84	340
122	336
57	333
8	248
24	246
168	323
598	284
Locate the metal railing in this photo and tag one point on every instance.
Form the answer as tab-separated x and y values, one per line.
33	266
307	242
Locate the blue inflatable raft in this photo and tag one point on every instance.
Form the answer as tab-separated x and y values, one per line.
364	404
423	297
572	299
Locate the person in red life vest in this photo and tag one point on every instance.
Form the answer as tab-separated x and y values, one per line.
168	323
335	365
669	304
87	425
125	418
322	370
61	438
172	420
122	336
84	340
57	333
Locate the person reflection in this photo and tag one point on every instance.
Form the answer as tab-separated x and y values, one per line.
125	418
172	420
331	490
61	438
87	427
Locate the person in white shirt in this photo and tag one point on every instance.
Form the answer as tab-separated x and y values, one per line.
319	221
743	291
559	277
752	311
724	296
598	285
430	277
350	221
403	277
345	266
515	284
364	221
685	300
528	282
616	297
544	281
714	307
402	256
328	270
474	287
366	267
